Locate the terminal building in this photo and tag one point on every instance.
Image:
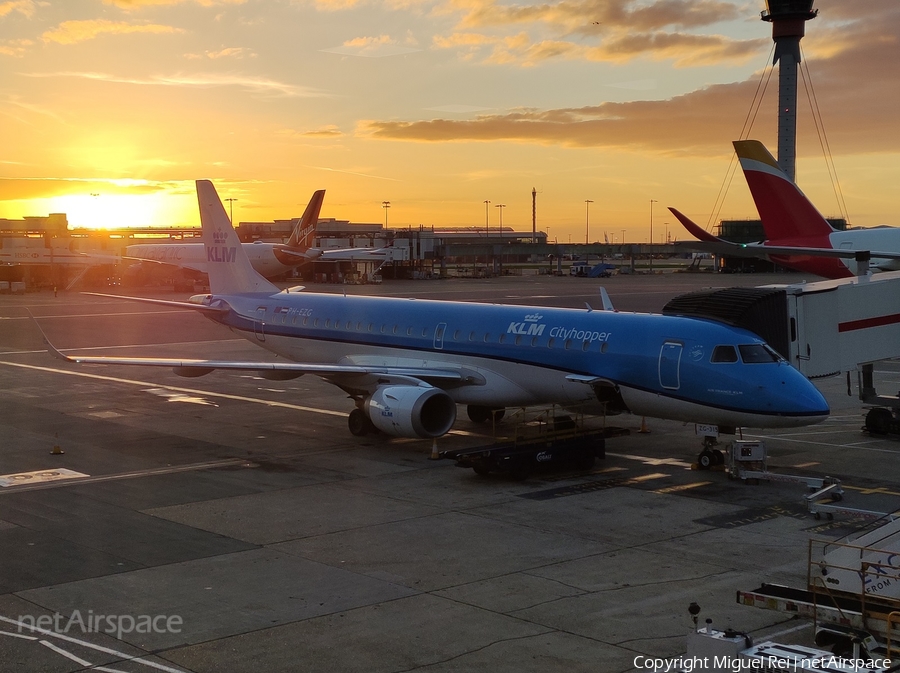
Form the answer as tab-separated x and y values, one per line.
44	253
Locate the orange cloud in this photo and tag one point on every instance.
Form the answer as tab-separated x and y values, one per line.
25	7
137	4
859	112
229	52
72	32
15	48
598	15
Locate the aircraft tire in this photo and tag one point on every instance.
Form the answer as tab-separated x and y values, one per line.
706	459
878	421
359	423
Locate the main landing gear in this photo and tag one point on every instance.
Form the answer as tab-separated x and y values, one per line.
359	423
710	456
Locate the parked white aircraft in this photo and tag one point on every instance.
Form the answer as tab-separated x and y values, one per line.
268	259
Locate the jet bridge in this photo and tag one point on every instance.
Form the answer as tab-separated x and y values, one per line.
823	328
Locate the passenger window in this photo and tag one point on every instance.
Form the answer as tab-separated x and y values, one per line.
456	335
409	331
487	337
550	342
327	323
756	353
724	354
471	336
568	343
534	341
585	345
518	340
604	347
502	338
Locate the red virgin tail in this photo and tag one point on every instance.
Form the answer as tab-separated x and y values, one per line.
303	233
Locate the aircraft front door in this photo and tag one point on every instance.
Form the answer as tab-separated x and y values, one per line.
670	365
259	325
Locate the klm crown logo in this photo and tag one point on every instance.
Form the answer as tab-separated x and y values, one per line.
218	251
528	327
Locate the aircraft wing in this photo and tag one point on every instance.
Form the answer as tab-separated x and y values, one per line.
299	255
219	307
346	374
713	244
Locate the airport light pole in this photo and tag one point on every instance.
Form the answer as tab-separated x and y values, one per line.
587	220
501	206
231	209
486	222
652	201
385	205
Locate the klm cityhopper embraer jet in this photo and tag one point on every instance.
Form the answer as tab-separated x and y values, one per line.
408	362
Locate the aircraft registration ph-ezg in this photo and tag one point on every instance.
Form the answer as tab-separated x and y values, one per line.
408	363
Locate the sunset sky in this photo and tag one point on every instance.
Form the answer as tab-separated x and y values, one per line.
110	109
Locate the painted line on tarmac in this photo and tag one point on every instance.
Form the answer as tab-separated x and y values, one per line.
651	461
192	391
202	393
134	474
831	444
682	487
85	643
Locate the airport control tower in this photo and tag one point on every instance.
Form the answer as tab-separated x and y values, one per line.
788	19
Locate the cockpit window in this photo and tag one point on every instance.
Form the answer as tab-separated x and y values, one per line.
724	354
756	353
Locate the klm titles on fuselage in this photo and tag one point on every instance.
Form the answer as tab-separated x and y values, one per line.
531	327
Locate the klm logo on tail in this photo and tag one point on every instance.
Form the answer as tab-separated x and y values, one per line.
219	252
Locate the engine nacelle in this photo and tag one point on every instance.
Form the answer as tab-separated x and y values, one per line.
411	411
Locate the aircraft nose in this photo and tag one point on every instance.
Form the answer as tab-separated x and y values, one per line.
801	398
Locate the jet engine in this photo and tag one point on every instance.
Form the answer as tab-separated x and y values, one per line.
411	411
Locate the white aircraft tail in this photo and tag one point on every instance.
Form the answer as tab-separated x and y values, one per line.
228	266
302	236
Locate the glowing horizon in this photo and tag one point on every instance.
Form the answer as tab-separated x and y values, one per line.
433	105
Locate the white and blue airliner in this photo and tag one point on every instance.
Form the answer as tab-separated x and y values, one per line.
408	363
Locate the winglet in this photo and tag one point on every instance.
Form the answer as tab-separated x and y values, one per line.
693	228
306	227
785	211
54	351
607	302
